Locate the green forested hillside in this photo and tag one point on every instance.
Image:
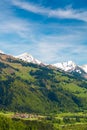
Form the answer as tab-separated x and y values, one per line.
27	87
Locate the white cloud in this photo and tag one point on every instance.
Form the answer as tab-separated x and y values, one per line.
30	7
54	49
17	27
63	43
56	53
67	13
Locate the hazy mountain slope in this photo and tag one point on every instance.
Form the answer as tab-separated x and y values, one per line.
84	67
33	88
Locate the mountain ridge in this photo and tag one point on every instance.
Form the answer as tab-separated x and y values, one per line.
68	66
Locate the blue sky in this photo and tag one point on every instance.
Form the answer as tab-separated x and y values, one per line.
51	30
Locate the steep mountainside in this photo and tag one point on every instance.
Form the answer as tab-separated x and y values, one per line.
29	87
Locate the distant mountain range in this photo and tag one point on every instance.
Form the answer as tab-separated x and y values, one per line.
68	66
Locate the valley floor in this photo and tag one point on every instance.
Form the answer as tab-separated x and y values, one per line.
61	121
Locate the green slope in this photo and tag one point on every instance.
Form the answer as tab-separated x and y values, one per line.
28	87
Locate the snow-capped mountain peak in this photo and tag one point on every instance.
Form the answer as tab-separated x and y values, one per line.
71	67
66	66
1	52
28	58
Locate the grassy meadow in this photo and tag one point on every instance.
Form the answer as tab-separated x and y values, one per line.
61	121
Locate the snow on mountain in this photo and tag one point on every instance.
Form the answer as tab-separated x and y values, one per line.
1	52
84	67
70	66
28	58
66	66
